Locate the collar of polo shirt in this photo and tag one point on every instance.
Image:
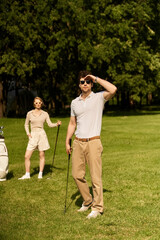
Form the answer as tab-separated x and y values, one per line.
80	97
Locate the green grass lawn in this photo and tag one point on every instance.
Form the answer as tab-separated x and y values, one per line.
34	209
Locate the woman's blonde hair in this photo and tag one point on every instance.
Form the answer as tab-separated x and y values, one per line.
40	99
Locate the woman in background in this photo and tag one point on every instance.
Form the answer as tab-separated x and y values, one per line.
37	137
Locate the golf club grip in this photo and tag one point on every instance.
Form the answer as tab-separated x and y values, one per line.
57	135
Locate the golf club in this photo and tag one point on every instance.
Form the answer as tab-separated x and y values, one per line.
67	177
55	146
54	150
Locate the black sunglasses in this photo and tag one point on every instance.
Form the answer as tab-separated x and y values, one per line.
83	81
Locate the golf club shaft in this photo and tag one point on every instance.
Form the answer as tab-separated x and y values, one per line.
55	145
67	178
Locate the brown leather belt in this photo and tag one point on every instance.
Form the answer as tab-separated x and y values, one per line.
87	139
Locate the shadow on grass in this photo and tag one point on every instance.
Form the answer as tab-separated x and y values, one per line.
10	175
79	200
47	169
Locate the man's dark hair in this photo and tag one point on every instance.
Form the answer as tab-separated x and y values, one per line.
83	74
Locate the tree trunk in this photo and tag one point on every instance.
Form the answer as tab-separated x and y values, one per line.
149	98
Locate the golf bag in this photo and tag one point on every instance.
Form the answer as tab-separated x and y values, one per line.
3	159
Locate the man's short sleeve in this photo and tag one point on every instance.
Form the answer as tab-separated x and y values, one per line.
72	110
104	100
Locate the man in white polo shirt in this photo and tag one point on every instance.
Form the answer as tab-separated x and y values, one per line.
86	119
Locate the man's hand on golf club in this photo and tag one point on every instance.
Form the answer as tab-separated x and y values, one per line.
68	149
68	146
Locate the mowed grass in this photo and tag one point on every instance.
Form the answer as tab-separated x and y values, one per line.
34	209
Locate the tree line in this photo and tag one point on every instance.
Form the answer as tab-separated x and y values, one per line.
45	43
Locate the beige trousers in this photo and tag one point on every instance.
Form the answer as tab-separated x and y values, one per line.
90	153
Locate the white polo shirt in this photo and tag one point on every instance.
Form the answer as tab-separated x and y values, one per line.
88	114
